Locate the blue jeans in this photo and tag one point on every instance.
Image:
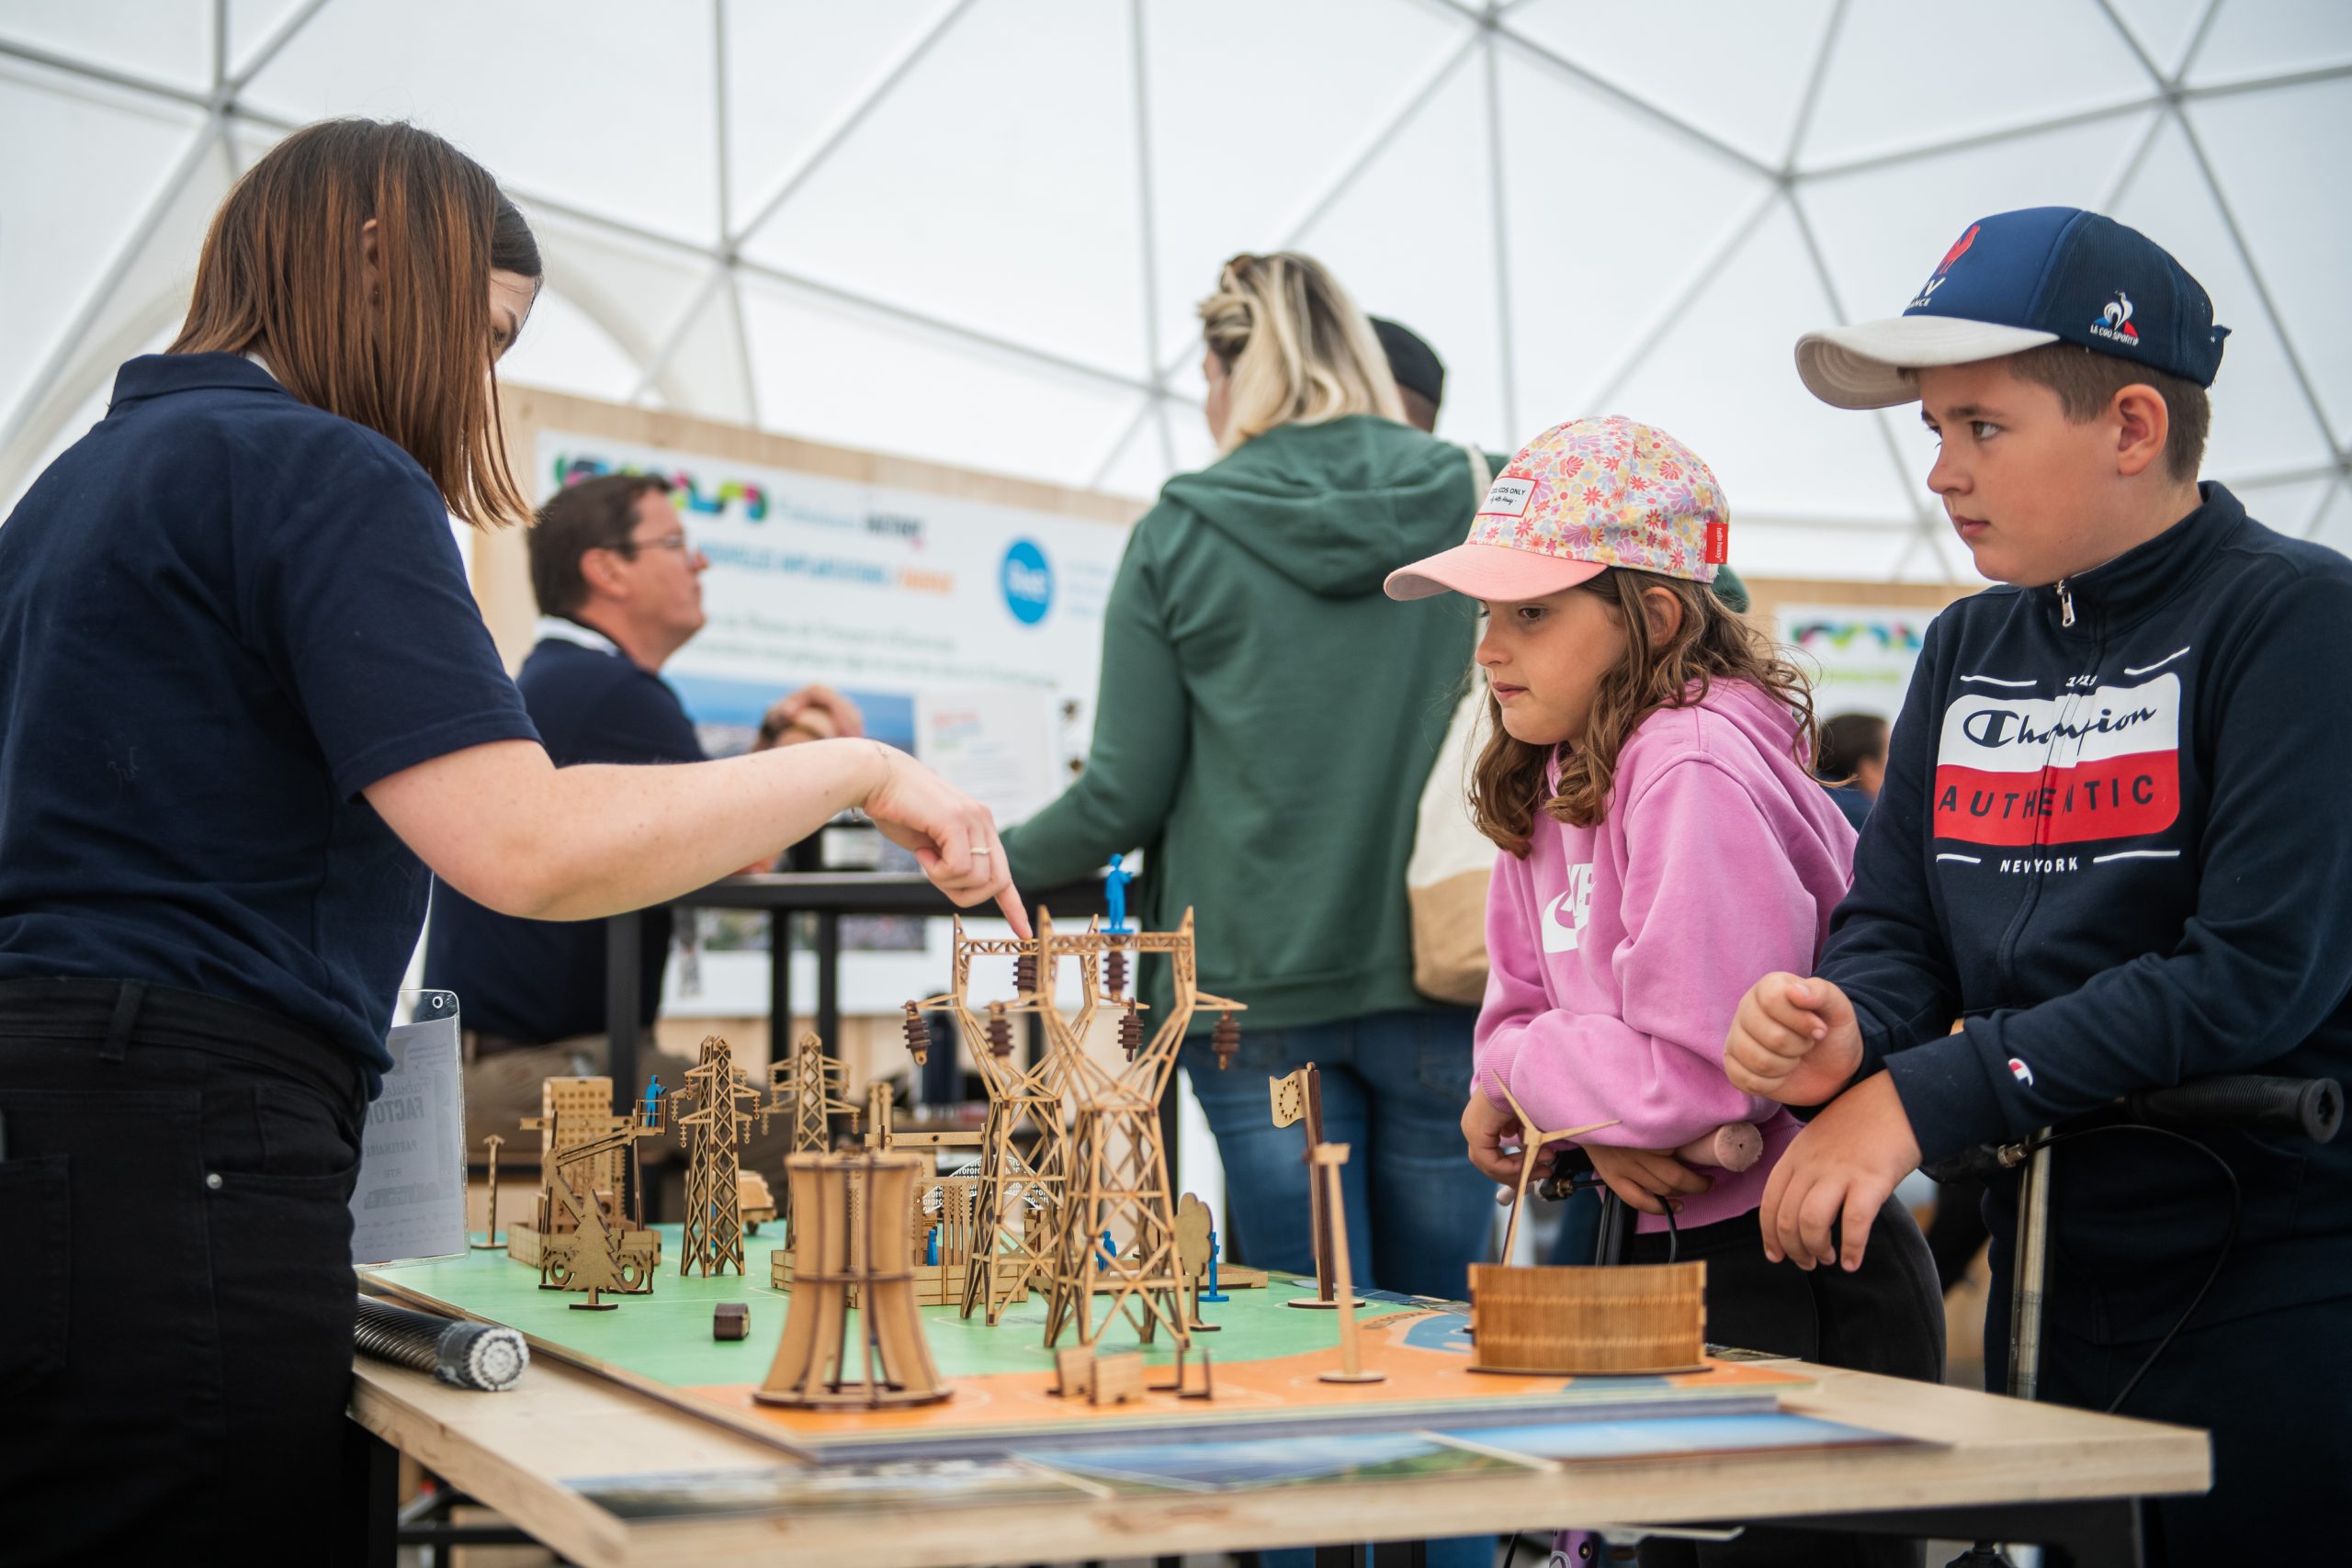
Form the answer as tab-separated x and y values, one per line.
1394	1085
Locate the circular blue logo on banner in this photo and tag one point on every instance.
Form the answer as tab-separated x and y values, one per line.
1028	583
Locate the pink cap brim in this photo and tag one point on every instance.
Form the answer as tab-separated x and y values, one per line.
1497	573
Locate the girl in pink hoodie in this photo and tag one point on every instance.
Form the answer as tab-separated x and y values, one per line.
1663	842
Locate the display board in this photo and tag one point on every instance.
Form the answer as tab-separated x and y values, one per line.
900	583
1266	1357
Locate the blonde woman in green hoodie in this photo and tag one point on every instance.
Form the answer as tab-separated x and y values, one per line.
1266	722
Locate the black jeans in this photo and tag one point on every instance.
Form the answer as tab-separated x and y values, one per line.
1887	1317
2273	1388
175	1334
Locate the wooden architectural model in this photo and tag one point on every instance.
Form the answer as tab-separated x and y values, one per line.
585	1233
841	1244
714	1111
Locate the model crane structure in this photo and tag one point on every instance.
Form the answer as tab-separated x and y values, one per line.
1104	1175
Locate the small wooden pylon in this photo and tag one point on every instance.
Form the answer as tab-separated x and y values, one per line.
714	1132
490	1242
1531	1149
1327	1159
806	1086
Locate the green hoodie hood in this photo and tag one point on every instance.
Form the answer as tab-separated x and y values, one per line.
1334	507
1268	717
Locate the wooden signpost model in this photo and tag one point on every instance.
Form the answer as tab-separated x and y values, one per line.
1298	1102
490	1242
713	1116
1327	1160
839	1246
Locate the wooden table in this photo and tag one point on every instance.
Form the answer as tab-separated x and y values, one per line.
2010	1470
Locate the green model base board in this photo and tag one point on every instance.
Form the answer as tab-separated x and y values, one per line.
1267	1358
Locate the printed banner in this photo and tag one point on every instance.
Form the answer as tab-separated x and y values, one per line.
883	593
1861	658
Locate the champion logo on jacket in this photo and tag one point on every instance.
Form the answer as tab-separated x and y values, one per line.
2014	767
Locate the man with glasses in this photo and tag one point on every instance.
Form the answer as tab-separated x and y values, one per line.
619	589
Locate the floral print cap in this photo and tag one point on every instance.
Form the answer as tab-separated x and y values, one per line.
1577	500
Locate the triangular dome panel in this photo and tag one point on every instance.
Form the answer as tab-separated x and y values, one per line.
1724	380
1431	182
1902	78
1025	222
1745	86
596	126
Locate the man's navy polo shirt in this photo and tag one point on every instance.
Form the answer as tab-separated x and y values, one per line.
224	613
529	982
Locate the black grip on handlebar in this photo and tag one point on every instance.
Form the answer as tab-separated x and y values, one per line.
2309	1108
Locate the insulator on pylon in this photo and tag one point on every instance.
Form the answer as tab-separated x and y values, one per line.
999	1032
1024	973
1117	975
1131	1031
1225	1041
918	1035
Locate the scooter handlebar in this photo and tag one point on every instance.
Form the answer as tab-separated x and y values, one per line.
2294	1108
2309	1108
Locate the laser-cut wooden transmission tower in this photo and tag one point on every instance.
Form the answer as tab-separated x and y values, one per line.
1024	1169
806	1086
716	1108
1118	1161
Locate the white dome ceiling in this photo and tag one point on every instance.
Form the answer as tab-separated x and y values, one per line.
973	230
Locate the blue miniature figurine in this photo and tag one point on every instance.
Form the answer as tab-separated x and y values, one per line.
1115	892
1216	1251
653	1097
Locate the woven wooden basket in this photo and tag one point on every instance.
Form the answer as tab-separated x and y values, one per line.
1630	1318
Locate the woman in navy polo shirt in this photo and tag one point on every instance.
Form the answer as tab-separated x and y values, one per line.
246	702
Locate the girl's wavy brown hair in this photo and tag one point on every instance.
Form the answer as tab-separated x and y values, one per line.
1510	783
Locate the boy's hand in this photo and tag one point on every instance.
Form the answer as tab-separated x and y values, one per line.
1843	1165
1792	1039
1642	1176
1485	1126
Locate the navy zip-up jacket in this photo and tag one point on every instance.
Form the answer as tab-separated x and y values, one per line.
2114	839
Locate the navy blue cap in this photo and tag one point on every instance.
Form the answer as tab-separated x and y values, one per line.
2017	280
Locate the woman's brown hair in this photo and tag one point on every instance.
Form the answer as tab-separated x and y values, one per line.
1511	781
285	274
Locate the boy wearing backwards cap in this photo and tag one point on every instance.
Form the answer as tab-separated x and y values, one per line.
2110	841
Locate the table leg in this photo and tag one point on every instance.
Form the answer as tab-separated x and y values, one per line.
829	978
624	994
780	1040
371	1481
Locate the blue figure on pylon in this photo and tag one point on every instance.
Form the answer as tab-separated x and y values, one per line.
1216	1250
653	1097
1115	892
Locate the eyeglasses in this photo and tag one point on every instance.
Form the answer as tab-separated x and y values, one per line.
676	541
